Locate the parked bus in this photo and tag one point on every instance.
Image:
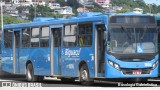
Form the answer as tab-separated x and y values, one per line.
158	24
87	47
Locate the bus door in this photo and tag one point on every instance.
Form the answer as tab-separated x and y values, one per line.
99	49
56	33
16	50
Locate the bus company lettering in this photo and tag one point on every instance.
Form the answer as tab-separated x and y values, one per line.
72	52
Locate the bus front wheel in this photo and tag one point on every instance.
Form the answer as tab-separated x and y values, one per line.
30	73
84	76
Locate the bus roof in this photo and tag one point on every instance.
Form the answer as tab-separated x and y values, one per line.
132	14
82	17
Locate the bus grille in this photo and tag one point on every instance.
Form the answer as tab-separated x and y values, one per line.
130	71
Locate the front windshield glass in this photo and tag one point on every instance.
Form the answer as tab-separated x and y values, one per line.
132	40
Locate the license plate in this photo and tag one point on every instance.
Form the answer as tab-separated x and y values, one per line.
137	72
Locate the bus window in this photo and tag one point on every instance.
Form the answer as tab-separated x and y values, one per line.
57	36
44	39
69	38
8	38
85	35
26	37
35	37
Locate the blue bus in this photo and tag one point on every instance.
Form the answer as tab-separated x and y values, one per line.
87	47
157	16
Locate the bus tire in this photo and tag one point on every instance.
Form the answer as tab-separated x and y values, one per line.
84	76
30	73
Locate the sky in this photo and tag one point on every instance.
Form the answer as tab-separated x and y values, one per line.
157	2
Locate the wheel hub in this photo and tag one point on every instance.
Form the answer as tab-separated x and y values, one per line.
29	75
84	75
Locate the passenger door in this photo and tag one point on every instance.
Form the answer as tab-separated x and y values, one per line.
16	50
56	33
99	49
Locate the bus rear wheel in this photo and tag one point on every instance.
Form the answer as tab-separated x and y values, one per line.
84	76
30	73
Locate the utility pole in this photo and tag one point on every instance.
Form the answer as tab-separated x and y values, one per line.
150	8
1	16
35	9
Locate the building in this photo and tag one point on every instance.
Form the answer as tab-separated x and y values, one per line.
54	5
85	1
67	10
3	3
43	1
103	2
81	9
138	10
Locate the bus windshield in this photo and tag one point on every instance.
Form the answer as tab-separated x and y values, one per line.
132	40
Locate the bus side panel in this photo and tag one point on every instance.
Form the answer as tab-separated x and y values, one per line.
7	60
24	57
41	61
40	58
56	61
71	58
88	55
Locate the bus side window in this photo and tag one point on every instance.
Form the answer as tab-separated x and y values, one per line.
8	38
44	39
35	37
69	38
26	37
85	34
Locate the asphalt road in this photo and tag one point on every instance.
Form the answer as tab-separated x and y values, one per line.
49	82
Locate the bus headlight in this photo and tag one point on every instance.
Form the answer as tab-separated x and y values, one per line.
116	66
155	65
110	62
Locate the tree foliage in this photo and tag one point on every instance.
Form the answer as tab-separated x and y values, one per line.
12	20
42	11
129	5
73	3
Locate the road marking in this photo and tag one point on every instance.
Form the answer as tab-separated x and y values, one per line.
5	80
154	80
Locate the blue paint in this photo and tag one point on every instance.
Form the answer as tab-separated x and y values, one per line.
132	65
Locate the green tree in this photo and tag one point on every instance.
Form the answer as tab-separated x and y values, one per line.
41	11
21	8
129	5
12	20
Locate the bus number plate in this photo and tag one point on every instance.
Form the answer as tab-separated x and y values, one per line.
136	72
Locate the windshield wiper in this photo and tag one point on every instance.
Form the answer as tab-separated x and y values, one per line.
124	30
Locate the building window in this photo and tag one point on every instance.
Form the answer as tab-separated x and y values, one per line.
44	39
8	38
26	37
35	37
